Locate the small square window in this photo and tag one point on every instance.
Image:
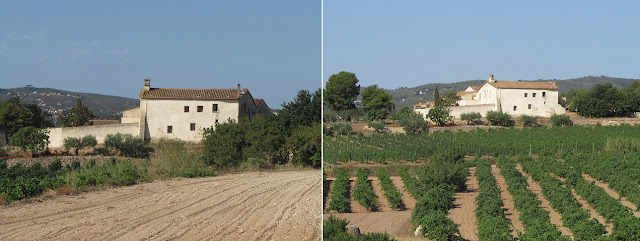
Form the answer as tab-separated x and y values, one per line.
169	129
186	109
515	108
200	108
544	94
525	94
215	107
216	121
534	95
529	106
193	126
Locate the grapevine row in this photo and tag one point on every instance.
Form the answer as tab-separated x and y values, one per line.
492	222
390	192
340	201
363	191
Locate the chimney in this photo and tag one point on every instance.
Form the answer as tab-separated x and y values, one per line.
240	92
147	84
491	79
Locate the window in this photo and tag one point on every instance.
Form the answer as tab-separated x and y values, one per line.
533	95
169	129
514	108
186	109
529	106
525	94
544	94
216	121
200	108
193	126
215	107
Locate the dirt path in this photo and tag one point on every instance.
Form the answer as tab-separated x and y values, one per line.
546	205
407	199
594	213
355	206
463	212
383	205
613	194
510	210
396	224
246	206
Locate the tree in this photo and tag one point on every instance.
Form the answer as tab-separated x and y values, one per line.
30	138
78	143
603	100
12	118
376	99
76	116
450	99
412	123
440	115
37	117
436	97
377	126
305	109
499	118
305	146
267	140
223	145
341	90
472	118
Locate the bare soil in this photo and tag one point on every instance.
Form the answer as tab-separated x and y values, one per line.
407	199
246	206
593	212
579	120
613	194
556	218
463	212
509	207
396	224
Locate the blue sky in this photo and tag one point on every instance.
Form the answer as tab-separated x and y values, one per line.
409	43
109	47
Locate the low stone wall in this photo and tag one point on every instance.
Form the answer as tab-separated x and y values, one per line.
45	161
57	134
457	110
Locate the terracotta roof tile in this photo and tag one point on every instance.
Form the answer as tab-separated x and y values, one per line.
475	87
462	93
191	94
547	85
103	122
257	101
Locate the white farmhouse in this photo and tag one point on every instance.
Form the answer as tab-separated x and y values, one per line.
172	113
534	98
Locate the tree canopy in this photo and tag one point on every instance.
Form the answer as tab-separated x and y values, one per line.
604	100
76	116
341	91
374	98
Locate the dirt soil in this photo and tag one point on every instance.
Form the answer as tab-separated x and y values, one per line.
579	120
396	224
245	206
613	194
509	207
463	212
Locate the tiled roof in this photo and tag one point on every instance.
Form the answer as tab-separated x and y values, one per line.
257	101
547	85
103	122
192	94
462	93
475	87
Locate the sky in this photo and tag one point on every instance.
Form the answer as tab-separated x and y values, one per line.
410	43
273	48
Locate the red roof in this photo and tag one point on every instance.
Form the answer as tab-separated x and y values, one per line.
192	94
547	85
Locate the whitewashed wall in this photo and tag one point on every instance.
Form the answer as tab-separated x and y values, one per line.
57	134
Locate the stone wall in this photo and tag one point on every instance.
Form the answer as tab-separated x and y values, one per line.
57	134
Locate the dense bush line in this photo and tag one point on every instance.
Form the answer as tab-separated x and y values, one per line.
390	192
336	230
363	191
492	222
339	195
409	182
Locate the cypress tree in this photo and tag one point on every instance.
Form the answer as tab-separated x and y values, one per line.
436	97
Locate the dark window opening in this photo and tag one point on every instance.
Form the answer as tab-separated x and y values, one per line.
544	94
215	107
186	109
169	129
200	108
525	94
529	106
216	121
534	95
193	126
514	108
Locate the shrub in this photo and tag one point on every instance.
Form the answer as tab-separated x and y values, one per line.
498	118
327	130
304	144
528	120
377	126
412	123
561	120
440	115
55	165
127	145
30	138
377	114
343	128
78	143
472	118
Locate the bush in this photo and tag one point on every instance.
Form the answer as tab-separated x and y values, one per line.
378	114
498	118
327	130
412	123
528	120
472	118
127	145
561	120
377	126
31	139
78	143
343	128
305	146
440	115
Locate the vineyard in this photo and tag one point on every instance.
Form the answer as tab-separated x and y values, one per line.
571	183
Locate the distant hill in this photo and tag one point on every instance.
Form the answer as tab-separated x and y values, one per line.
404	96
56	101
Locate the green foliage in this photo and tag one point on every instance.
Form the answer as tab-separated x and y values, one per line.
76	116
561	120
378	100
472	118
440	115
436	97
401	114
30	138
341	90
339	193
492	222
223	145
12	118
173	159
622	145
572	107
529	120
363	191
127	145
605	100
377	126
304	110
342	128
431	213
335	229
379	114
390	192
412	123
304	144
450	99
498	118
267	139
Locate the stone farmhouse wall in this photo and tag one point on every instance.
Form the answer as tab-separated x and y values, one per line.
57	134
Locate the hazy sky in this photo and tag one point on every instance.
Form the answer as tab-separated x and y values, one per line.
109	47
409	43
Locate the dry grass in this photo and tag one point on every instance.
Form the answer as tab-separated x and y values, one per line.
65	190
